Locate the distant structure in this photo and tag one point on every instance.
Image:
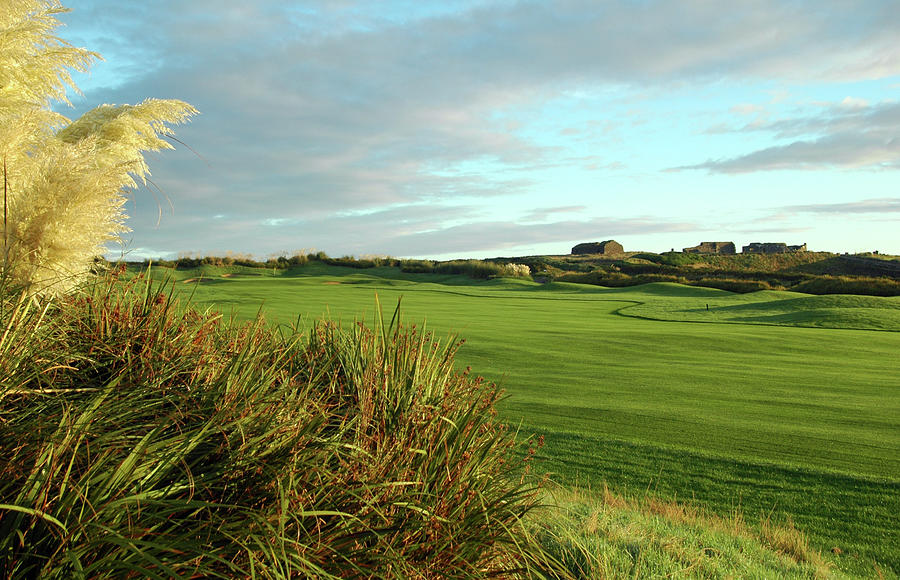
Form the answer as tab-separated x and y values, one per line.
712	248
607	248
772	248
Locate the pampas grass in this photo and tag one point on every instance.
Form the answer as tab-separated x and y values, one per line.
63	182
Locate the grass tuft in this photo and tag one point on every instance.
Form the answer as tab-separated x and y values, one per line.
143	439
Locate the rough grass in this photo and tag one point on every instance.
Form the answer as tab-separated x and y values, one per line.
606	535
798	422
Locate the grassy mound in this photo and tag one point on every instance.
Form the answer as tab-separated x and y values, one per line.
139	439
775	308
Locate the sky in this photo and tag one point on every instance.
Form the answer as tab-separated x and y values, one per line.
484	128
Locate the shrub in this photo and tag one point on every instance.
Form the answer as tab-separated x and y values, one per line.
298	260
477	269
417	266
140	439
617	279
480	269
515	270
732	285
849	285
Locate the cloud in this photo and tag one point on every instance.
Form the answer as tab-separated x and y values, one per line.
410	230
849	135
782	230
747	109
543	214
311	109
500	235
877	206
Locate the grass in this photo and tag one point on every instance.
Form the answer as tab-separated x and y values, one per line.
599	534
139	439
782	420
777	308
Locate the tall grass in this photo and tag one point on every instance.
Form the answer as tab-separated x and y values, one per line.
142	439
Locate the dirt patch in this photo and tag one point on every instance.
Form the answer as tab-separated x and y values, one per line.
196	280
331	283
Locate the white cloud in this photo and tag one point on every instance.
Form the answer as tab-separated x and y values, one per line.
747	109
877	206
847	135
854	103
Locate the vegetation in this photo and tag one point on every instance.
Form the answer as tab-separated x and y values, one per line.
605	535
476	269
807	272
144	440
769	412
62	181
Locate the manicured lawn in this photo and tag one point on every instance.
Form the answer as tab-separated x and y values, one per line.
626	386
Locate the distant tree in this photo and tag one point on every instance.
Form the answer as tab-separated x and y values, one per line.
63	182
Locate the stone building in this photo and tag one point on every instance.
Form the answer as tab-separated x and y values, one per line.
772	248
712	248
607	248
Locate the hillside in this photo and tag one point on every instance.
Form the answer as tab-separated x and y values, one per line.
808	272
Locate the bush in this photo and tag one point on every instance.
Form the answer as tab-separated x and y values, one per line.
481	269
617	279
417	266
849	285
477	269
142	439
732	285
515	271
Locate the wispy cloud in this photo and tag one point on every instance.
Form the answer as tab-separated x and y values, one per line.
498	235
544	213
867	206
849	135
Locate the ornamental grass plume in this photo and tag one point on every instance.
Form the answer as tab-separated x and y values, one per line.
63	182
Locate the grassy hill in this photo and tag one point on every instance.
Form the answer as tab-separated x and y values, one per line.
810	272
781	418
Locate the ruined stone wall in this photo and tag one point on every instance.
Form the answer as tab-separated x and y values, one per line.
712	248
607	248
772	248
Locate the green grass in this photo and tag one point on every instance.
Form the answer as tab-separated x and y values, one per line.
777	308
778	419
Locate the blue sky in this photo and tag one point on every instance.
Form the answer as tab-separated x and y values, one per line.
499	128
